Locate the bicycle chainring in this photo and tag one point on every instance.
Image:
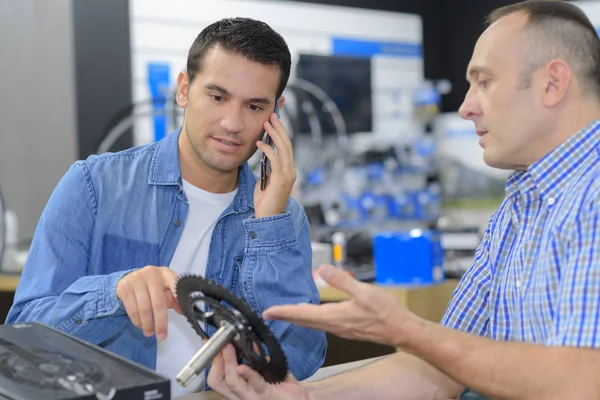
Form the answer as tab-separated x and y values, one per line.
205	302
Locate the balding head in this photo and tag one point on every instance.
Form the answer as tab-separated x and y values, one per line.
555	29
533	81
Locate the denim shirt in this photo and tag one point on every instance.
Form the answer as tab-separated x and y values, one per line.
117	212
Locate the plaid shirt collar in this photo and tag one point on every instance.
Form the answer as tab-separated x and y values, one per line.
550	174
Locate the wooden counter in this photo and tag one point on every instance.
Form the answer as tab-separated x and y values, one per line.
427	301
9	282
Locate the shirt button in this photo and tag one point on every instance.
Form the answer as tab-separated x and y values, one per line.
246	286
252	235
551	200
177	223
518	284
78	321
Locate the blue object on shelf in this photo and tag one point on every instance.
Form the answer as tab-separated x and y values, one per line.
414	257
159	83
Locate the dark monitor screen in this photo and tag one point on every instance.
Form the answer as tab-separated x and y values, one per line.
347	80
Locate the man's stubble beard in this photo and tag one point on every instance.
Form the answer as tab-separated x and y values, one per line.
204	158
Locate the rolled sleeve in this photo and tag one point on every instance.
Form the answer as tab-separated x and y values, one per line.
270	233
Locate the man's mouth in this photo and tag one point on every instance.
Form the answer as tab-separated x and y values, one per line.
481	132
226	142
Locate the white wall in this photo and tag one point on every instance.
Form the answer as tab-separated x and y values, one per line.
38	134
163	30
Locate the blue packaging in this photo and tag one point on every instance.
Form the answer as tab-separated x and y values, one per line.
408	258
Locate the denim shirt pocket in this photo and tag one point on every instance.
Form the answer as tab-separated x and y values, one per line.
120	253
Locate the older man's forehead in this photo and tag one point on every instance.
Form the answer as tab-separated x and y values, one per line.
495	49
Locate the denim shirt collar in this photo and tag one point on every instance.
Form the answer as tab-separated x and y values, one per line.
165	170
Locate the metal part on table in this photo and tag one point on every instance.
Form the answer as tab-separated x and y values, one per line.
205	355
206	303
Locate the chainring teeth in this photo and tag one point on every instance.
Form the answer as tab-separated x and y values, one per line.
192	288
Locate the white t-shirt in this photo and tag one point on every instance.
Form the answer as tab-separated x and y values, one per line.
190	256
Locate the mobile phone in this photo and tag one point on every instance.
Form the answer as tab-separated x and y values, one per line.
264	161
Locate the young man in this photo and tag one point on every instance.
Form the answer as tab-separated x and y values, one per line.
120	228
524	322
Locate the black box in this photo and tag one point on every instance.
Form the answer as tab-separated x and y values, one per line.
39	362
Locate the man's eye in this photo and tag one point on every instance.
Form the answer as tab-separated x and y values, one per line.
217	98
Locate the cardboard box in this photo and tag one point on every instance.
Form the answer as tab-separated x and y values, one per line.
39	362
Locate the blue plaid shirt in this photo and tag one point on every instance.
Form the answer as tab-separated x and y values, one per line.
536	274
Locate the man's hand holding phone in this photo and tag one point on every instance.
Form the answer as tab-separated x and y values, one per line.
279	182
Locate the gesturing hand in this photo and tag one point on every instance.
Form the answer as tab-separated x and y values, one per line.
147	294
372	314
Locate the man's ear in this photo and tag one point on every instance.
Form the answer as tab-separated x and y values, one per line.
281	102
556	80
183	86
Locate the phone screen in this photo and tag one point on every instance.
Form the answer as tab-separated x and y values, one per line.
264	162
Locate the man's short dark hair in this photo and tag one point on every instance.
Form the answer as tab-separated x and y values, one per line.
252	39
557	29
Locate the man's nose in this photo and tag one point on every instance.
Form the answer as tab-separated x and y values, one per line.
232	120
470	108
